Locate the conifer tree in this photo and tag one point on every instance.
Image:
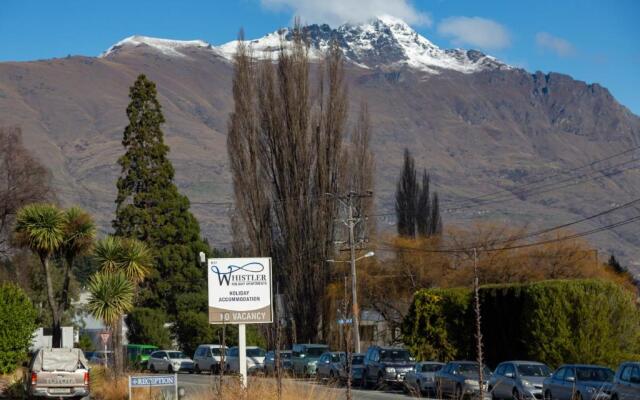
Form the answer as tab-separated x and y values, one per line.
423	210
150	208
417	211
407	197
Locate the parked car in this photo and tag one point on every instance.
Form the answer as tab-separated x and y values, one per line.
171	361
208	357
579	382
270	362
420	379
255	359
386	366
138	354
58	373
626	383
459	379
357	370
518	380
329	365
304	358
104	358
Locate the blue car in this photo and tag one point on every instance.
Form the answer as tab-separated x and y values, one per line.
579	382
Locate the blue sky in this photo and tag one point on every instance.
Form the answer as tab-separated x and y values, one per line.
594	41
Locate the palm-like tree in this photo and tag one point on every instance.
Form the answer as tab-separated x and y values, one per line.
131	256
129	259
78	236
40	228
111	296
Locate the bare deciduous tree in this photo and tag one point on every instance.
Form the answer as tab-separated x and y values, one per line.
23	180
285	145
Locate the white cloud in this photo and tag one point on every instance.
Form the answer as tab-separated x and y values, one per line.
476	32
557	45
337	12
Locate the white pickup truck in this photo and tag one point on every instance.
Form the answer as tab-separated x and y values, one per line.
58	373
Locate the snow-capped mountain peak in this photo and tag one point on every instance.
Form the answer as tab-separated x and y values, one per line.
165	46
382	43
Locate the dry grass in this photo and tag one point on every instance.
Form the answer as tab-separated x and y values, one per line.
105	387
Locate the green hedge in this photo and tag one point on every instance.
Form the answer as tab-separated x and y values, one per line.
17	325
586	321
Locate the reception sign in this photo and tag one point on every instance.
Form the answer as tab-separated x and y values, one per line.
240	290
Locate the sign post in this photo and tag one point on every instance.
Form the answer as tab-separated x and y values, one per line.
149	381
104	336
240	292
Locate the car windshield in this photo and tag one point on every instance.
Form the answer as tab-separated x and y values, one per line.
534	370
471	370
175	354
286	356
395	355
358	360
315	351
594	374
146	352
255	353
431	367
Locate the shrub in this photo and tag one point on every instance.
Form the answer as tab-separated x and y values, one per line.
555	322
17	324
146	326
435	326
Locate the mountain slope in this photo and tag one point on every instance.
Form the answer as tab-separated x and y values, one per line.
477	129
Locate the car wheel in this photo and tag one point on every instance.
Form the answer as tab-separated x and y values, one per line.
457	395
363	380
170	369
516	394
576	396
547	395
418	388
332	378
152	368
380	385
196	369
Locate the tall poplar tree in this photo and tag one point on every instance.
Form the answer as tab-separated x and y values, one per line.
407	193
417	212
150	208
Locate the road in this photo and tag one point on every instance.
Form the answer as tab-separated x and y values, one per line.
205	383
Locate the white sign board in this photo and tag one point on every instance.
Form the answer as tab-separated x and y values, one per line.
240	290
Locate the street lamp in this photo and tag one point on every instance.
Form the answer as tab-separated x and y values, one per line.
354	294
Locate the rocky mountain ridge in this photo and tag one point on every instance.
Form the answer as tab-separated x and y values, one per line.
478	129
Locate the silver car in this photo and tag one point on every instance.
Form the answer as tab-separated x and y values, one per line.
518	380
329	365
254	360
270	362
208	357
171	361
626	384
579	382
421	379
459	379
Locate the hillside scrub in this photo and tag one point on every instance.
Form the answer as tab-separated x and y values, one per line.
555	322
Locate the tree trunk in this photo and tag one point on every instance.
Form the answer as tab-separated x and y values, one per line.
57	334
118	362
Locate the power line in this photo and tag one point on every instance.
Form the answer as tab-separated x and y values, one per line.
544	178
520	246
551	186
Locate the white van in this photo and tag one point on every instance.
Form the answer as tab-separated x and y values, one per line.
208	357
